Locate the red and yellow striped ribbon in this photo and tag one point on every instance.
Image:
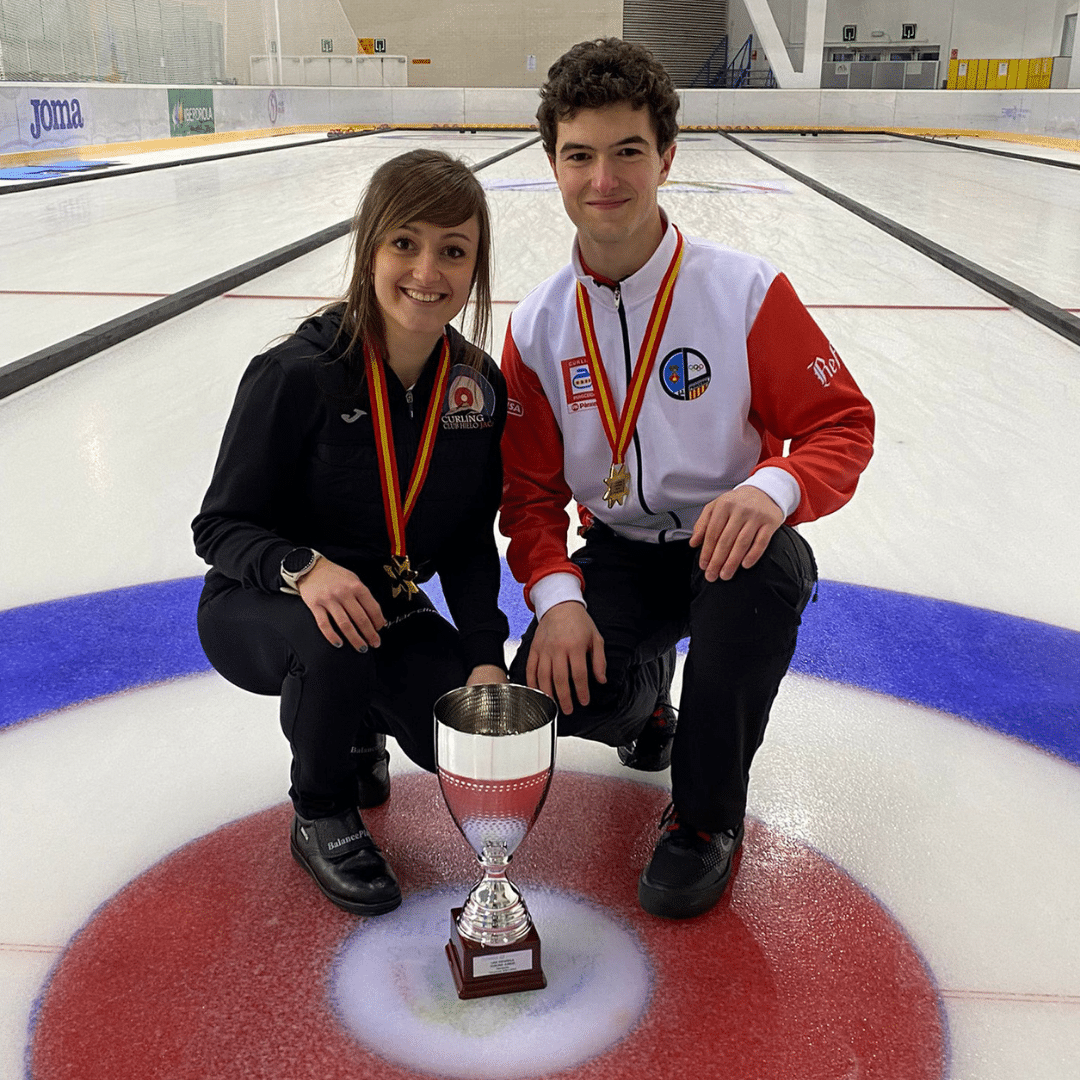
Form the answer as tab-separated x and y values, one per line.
619	427
398	511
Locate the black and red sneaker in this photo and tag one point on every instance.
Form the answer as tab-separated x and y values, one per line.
689	868
651	750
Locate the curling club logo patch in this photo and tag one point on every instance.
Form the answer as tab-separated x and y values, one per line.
577	382
685	374
470	400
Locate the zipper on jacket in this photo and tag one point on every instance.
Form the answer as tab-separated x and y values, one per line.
409	401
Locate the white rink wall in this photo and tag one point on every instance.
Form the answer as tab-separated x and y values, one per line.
90	114
1053	113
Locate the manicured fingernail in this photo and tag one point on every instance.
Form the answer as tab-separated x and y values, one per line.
338	644
363	648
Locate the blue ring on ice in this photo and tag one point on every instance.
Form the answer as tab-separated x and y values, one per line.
1014	675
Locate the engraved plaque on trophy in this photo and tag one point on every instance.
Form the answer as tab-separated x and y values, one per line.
495	749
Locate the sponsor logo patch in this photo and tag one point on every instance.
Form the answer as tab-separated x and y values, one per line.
514	407
470	401
685	374
578	384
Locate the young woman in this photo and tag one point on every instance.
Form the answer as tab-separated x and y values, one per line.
362	457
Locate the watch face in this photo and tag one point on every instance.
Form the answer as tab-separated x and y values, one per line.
298	559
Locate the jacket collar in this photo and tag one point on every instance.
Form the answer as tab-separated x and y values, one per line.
639	287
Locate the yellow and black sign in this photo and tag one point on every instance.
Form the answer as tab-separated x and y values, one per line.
369	46
427	61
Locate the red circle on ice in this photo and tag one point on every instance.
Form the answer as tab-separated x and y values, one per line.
217	962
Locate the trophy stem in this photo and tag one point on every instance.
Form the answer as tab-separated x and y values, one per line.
494	913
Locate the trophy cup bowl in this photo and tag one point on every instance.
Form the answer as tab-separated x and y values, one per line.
495	751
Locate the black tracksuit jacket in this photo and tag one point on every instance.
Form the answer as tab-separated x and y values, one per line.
298	468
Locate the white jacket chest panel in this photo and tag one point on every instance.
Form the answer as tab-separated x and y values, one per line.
693	431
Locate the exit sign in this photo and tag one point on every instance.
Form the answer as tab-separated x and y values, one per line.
907	31
850	33
327	44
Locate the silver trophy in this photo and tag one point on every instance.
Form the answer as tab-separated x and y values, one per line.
495	750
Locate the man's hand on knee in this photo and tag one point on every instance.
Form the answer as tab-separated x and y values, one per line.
483	674
734	530
566	645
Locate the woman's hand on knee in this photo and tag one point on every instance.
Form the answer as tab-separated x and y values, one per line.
342	605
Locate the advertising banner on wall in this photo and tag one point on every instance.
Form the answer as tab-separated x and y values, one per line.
191	112
275	106
43	117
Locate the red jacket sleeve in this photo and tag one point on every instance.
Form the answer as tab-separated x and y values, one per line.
535	492
801	391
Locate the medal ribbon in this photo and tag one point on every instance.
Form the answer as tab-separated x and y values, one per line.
619	428
398	511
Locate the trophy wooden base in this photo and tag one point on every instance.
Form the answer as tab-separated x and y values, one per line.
486	970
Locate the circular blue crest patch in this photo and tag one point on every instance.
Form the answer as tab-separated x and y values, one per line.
685	374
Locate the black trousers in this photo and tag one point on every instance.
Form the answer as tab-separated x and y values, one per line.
644	598
333	699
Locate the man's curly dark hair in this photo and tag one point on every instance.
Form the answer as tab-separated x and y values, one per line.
605	72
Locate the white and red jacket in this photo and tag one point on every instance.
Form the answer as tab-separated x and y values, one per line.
742	369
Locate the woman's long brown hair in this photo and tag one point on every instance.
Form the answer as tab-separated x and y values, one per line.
421	185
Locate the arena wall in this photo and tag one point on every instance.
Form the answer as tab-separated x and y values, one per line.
43	122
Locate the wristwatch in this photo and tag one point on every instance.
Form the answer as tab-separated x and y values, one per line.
295	565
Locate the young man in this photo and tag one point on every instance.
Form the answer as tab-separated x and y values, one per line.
655	381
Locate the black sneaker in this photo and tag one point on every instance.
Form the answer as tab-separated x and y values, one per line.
345	862
689	869
651	750
372	771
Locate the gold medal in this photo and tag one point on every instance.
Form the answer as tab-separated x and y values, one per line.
403	576
619	425
618	484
